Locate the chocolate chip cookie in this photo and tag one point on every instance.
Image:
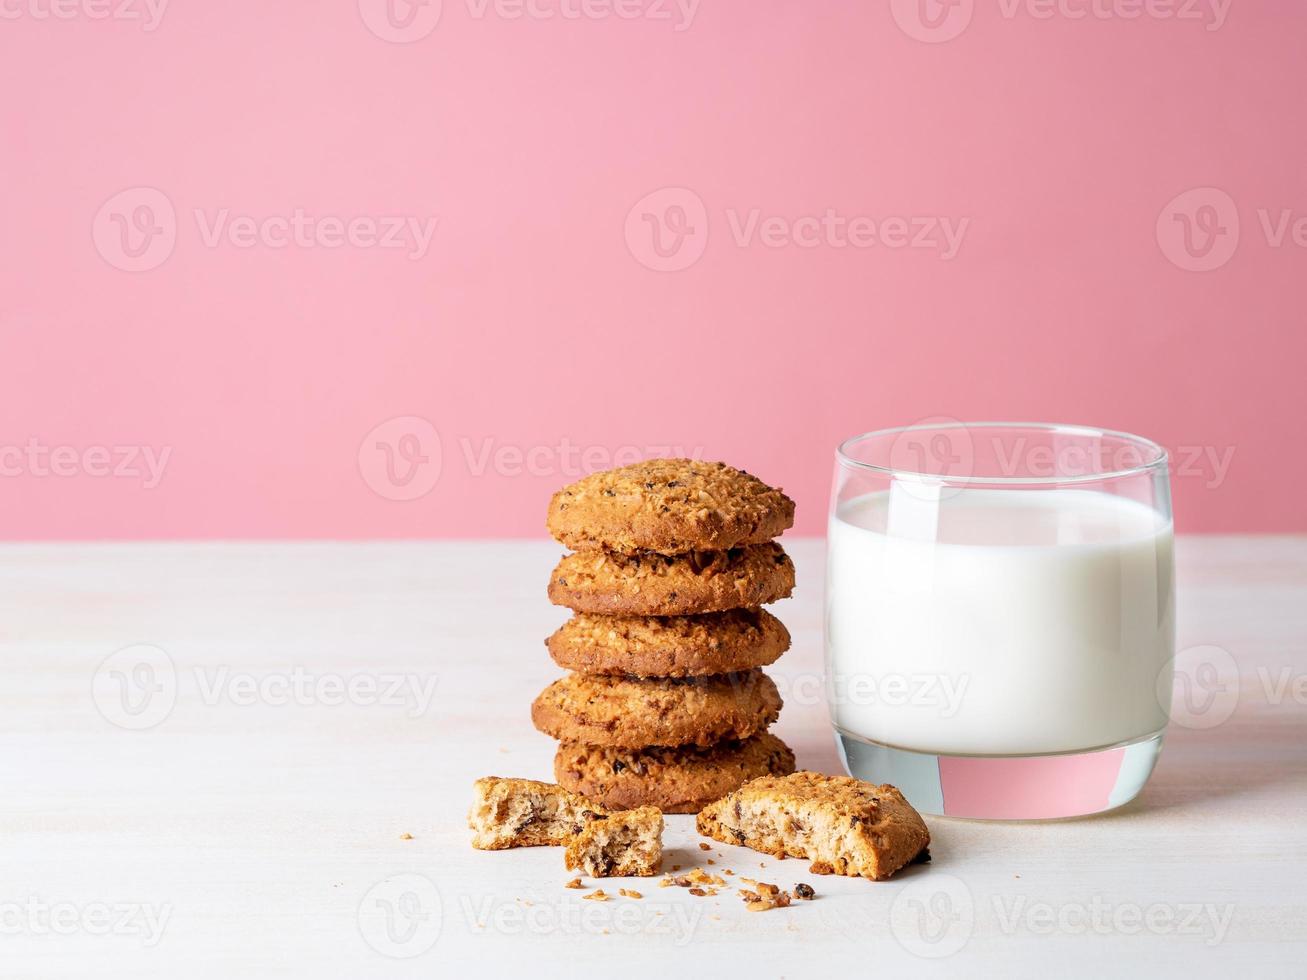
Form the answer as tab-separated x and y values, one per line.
635	713
676	780
669	506
648	584
670	646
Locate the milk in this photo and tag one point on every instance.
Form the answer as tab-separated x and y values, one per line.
998	622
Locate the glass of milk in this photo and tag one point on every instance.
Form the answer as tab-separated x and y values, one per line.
1000	615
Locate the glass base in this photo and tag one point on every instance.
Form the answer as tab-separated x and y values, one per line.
1034	787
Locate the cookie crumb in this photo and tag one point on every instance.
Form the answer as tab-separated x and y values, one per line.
764	896
629	893
406	836
704	847
574	883
804	891
698	892
598	895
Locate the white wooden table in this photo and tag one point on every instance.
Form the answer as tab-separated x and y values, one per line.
256	828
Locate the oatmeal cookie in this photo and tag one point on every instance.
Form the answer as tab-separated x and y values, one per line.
669	646
843	825
665	585
633	713
669	506
525	813
676	780
618	845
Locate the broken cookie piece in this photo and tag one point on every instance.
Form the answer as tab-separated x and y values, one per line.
628	842
525	813
843	825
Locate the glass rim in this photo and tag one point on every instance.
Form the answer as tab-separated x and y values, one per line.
1157	452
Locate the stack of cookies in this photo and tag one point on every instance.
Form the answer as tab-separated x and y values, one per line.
666	705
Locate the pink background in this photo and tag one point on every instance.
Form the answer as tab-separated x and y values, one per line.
534	320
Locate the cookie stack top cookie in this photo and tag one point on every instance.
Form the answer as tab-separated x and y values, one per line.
670	507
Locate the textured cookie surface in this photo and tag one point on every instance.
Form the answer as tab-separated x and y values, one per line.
670	506
676	780
843	825
673	646
665	585
618	844
525	813
634	713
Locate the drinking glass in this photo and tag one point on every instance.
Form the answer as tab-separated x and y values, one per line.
1000	615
